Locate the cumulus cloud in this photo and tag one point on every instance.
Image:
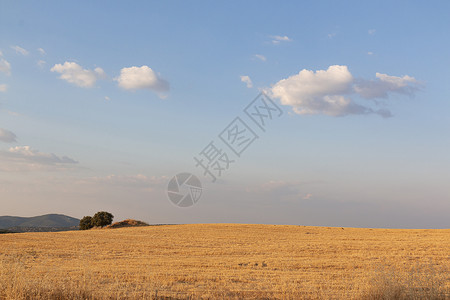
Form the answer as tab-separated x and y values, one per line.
385	84
260	57
371	31
3	87
41	51
74	73
328	91
5	66
7	136
135	78
322	91
276	39
19	50
247	81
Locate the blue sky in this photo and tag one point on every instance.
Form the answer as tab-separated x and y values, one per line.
101	104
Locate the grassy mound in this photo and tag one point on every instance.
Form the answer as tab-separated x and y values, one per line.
127	223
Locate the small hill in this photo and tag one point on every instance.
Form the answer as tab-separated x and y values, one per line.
50	220
127	223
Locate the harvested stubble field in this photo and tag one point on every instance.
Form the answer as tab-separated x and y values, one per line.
226	261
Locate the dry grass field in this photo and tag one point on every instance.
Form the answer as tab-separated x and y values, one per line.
226	261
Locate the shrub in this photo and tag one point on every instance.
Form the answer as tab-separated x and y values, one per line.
86	223
102	218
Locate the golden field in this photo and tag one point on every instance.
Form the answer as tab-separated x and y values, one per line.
226	261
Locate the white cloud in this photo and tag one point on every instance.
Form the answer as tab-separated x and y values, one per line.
107	98
74	73
41	51
322	91
100	73
7	136
260	57
370	53
41	63
371	31
144	77
276	39
5	66
384	84
331	35
19	50
328	91
3	87
247	81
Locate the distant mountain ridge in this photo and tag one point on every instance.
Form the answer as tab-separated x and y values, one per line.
49	220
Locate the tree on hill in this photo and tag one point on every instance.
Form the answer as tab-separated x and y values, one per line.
102	218
86	223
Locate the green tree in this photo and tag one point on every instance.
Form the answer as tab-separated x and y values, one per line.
102	218
86	223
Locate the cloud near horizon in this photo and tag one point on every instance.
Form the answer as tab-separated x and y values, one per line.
282	190
7	136
328	91
23	158
75	74
133	181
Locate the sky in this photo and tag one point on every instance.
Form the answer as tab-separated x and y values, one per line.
319	113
